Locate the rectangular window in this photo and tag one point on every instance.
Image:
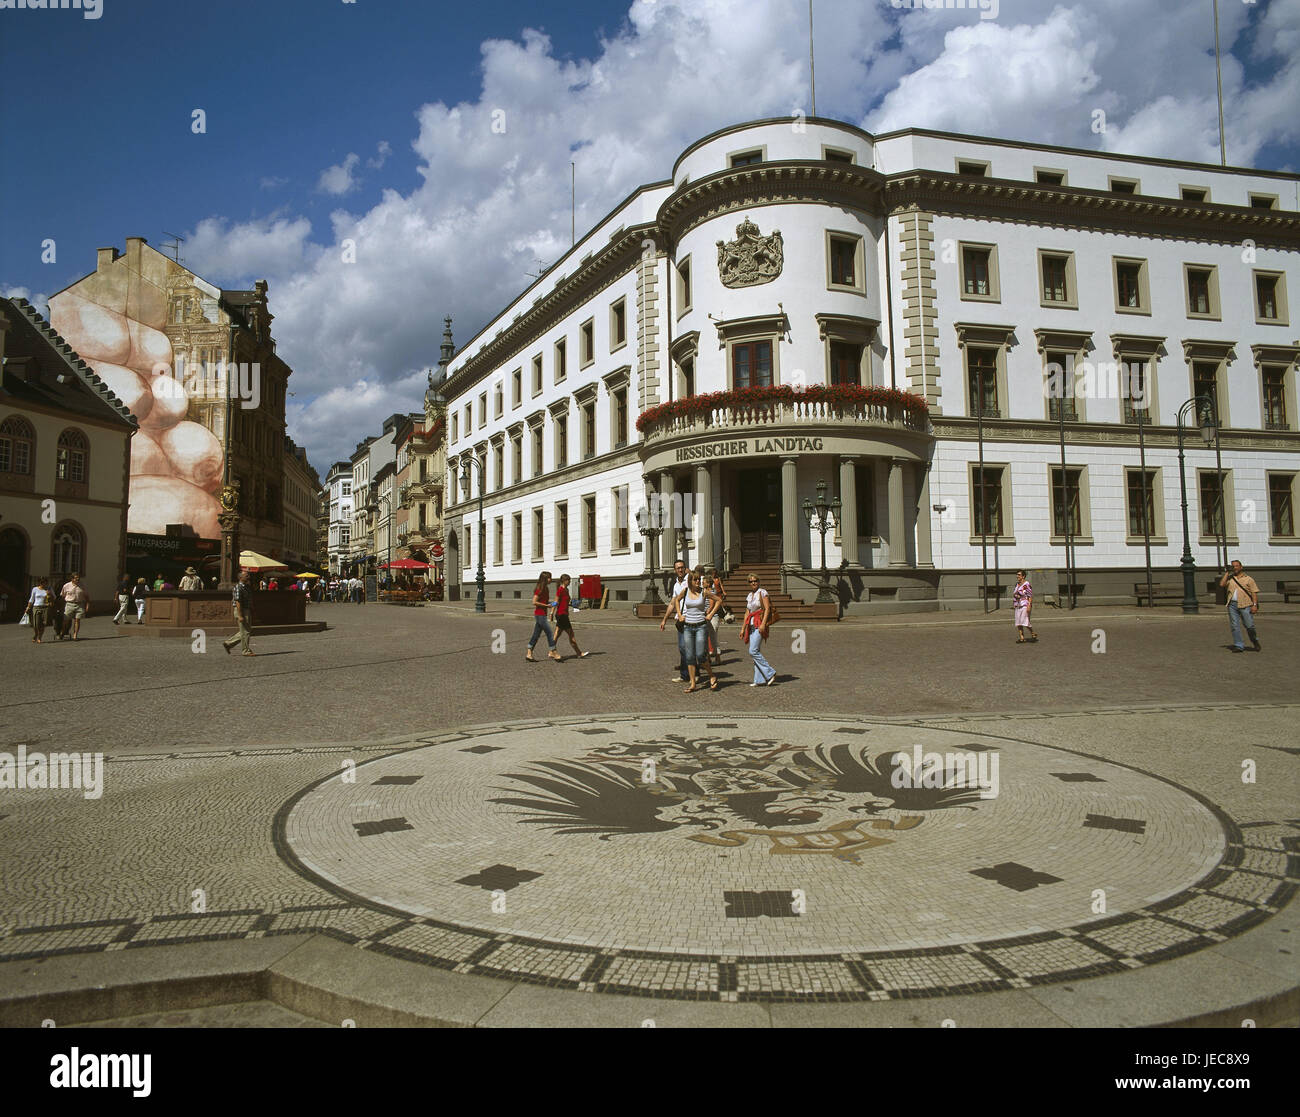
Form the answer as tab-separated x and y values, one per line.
347	488
1136	401
482	409
1123	185
1194	194
846	363
1267	308
972	169
1066	509
498	402
831	155
537	374
1205	382
6	455
751	364
499	536
517	537
538	451
1263	201
620	529
587	343
1142	503
516	387
618	324
1212	504
684	286
499	465
588	525
1049	178
561	441
620	417
975	272
987	500
589	430
844	261
1128	285
1281	511
562	530
516	458
1055	279
561	359
1198	291
746	158
455	426
1060	371
539	521
1275	399
468	423
687	366
982	381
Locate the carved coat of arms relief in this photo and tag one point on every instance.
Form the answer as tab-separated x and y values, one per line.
750	259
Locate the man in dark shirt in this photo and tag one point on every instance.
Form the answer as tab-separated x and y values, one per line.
241	599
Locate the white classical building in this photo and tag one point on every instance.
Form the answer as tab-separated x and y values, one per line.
339	483
803	302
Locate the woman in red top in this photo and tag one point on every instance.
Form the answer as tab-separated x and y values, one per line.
541	603
562	621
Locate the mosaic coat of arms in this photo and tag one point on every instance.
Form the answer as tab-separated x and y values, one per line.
751	258
802	800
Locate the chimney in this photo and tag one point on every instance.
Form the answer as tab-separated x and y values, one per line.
106	257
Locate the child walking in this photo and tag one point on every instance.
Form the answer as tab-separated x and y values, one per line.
562	621
542	603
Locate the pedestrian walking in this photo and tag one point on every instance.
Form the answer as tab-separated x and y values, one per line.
38	608
241	601
76	604
679	587
190	583
1022	601
542	603
139	595
713	583
123	600
695	608
563	622
758	612
1243	603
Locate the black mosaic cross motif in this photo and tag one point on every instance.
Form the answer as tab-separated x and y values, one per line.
1009	874
502	877
975	746
721	725
1078	777
1105	822
382	826
404	780
847	729
593	732
481	749
750	905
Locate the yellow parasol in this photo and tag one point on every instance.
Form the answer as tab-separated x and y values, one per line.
251	560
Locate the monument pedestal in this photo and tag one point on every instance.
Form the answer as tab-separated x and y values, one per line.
275	612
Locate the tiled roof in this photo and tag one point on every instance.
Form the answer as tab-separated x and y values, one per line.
81	391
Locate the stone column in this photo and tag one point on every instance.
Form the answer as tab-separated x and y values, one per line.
668	541
719	511
924	551
849	512
703	515
789	515
897	519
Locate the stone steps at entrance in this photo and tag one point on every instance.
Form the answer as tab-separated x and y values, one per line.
769	574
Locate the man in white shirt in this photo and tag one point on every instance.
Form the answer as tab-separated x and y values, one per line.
679	588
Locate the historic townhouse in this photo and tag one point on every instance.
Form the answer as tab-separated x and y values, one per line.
339	544
926	323
301	500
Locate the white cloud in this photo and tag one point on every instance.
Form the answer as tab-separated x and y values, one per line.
38	300
273	182
339	178
490	202
382	152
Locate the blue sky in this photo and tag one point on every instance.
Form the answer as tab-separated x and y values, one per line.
371	121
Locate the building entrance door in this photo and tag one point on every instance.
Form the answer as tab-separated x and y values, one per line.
758	514
13	573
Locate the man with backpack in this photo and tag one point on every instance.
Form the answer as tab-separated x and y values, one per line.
1243	600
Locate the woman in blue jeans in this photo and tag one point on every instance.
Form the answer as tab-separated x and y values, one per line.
542	602
758	607
695	608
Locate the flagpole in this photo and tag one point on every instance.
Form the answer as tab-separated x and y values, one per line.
812	73
1218	77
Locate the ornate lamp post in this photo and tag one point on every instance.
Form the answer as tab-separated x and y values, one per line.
650	523
1209	432
480	602
822	517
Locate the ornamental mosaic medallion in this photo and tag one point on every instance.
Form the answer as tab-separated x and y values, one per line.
689	856
751	259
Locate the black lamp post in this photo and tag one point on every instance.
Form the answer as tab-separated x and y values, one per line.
822	517
650	523
480	602
1209	432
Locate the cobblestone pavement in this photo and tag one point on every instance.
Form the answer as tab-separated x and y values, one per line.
247	798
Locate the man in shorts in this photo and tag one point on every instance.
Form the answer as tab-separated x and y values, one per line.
76	604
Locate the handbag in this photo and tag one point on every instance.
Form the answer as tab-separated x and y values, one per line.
772	615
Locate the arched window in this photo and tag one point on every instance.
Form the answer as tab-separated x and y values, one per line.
74	454
17	441
67	550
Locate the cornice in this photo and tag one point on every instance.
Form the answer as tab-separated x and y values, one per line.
964	428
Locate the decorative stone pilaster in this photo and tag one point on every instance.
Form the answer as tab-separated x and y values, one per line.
647	329
920	314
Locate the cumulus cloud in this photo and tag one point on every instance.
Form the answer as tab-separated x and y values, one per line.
339	178
273	182
38	300
360	324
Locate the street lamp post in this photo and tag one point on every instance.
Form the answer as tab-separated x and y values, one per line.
822	517
1209	432
650	523
480	601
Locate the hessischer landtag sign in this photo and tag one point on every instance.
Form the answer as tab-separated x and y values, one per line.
740	447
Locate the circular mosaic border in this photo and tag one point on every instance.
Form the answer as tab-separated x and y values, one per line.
1252	881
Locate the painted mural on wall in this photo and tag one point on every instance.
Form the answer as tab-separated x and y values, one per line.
115	321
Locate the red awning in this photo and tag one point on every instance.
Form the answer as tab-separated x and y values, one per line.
404	564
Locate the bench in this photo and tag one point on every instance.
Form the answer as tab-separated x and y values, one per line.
1160	591
1289	590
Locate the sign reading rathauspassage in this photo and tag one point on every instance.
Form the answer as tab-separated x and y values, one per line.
743	399
37	771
